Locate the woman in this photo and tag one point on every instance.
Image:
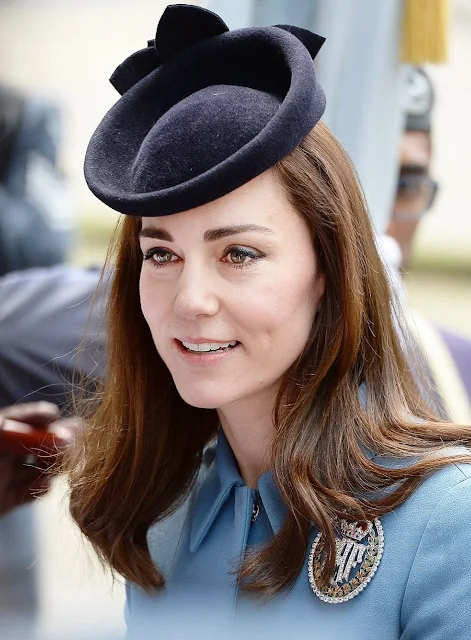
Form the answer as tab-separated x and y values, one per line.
249	306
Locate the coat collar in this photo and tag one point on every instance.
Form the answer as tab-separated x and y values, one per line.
220	474
216	487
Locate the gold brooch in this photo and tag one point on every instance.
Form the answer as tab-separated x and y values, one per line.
351	550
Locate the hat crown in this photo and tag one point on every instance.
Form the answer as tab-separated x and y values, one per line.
203	123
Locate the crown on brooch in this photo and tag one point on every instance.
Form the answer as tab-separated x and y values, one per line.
355	530
352	553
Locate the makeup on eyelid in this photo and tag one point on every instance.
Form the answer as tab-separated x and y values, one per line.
240	250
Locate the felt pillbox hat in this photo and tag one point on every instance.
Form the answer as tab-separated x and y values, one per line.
203	110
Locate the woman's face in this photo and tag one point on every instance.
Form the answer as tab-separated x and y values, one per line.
229	291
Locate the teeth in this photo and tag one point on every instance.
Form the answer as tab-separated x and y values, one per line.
208	346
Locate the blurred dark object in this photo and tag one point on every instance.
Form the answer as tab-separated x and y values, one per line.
36	219
38	435
44	314
416	193
33	429
419	100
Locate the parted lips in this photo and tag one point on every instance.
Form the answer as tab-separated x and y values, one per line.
203	110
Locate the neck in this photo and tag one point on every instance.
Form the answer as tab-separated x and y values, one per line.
248	427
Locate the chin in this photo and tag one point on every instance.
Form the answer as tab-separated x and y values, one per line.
200	403
200	400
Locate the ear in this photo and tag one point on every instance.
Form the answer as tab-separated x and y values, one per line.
183	25
311	41
134	68
320	289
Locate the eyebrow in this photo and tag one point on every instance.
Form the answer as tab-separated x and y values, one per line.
209	236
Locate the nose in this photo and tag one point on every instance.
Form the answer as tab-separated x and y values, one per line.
196	295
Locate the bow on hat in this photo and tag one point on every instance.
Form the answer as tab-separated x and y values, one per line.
203	111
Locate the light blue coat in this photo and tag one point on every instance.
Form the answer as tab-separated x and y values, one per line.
421	590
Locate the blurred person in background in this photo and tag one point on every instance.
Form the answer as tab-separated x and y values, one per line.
448	353
36	229
43	316
416	189
36	214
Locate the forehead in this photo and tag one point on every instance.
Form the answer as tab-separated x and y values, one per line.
260	201
415	148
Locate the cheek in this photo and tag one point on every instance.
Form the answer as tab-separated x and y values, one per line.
283	310
145	298
152	302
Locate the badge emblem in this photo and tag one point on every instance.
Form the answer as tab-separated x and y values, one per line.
359	550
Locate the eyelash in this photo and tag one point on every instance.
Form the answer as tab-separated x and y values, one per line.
245	251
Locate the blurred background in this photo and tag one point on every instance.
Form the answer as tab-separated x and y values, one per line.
65	50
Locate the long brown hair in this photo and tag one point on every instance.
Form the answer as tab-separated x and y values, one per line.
141	450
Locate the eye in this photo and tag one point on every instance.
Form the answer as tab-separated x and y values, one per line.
241	256
159	257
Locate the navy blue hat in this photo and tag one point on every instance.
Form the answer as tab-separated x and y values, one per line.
203	111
